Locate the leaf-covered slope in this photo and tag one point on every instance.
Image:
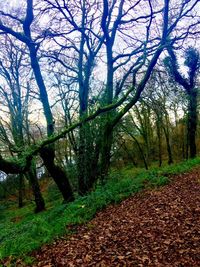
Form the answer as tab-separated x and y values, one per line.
158	227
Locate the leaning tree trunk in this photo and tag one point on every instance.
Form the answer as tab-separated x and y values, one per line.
58	174
140	150
48	153
32	177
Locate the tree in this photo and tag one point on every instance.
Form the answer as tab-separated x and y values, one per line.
190	86
47	153
128	66
15	94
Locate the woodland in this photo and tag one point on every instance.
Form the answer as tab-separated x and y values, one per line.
99	100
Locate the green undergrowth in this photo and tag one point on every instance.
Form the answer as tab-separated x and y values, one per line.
21	231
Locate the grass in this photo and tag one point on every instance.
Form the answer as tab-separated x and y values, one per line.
21	231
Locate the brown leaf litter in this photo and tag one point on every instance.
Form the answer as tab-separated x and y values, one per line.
157	228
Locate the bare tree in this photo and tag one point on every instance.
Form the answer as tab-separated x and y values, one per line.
15	95
128	44
47	153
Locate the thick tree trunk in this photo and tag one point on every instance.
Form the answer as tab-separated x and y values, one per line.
85	162
94	171
81	162
106	145
48	153
59	175
107	129
88	156
39	201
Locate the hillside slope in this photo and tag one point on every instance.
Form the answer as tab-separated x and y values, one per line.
159	227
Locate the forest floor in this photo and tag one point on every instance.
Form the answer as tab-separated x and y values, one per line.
156	227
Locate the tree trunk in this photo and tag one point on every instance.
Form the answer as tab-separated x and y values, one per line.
59	175
141	152
21	190
107	139
159	134
184	142
94	171
107	129
192	62
48	153
169	151
81	164
129	154
192	122
39	201
187	140
88	156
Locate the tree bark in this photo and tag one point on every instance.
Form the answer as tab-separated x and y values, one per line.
106	145
159	141
39	201
88	157
192	62
169	151
21	190
57	173
192	122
